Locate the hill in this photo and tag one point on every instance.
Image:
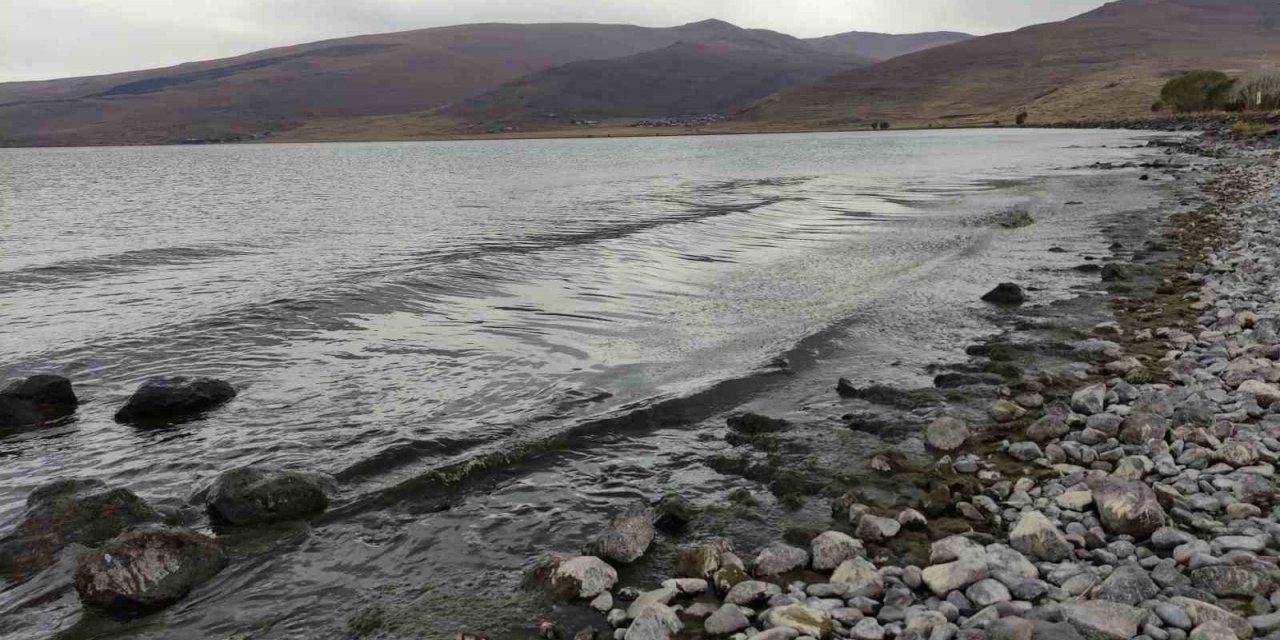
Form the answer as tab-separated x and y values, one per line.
720	74
1107	63
278	89
882	46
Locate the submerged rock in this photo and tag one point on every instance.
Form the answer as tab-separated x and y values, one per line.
36	399
260	495
63	512
174	399
146	569
628	536
946	434
753	423
1006	293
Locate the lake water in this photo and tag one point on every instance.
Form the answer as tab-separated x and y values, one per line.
388	311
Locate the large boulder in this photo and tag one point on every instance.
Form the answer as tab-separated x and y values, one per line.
1202	612
36	399
1102	620
832	548
1036	536
1005	293
1128	584
259	495
166	400
1090	400
655	622
146	569
807	621
969	568
947	433
859	578
728	619
583	577
778	558
63	512
628	536
1126	507
1243	580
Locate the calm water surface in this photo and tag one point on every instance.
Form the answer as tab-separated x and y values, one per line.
387	310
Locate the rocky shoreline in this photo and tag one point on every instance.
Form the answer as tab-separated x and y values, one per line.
1127	494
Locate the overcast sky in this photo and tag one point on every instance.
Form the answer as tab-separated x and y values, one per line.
59	38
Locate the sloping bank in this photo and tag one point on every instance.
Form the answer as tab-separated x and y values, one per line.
1115	480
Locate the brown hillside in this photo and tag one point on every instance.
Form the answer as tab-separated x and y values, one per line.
1106	63
280	88
882	46
719	75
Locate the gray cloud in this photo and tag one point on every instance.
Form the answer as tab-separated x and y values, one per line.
59	38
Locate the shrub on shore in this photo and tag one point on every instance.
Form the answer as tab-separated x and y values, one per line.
1197	91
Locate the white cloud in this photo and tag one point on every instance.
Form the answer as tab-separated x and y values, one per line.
59	38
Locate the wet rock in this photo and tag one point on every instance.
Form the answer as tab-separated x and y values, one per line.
807	621
260	495
1025	451
703	560
1006	293
146	569
877	529
1127	507
627	538
583	577
1101	620
1003	411
173	399
947	434
1128	584
728	619
662	596
63	512
1090	400
672	514
969	568
778	558
1037	537
1113	272
754	424
36	399
832	548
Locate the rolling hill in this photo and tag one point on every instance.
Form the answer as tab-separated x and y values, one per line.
387	80
1107	63
883	46
720	74
280	88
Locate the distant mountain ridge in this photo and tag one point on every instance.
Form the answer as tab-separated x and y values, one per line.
1106	63
883	46
410	72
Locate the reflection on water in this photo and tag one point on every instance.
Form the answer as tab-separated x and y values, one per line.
386	309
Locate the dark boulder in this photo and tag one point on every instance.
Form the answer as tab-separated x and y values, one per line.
1113	272
37	399
260	495
60	513
752	423
174	399
672	513
1006	293
146	569
627	538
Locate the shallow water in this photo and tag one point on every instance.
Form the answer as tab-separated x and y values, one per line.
391	310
